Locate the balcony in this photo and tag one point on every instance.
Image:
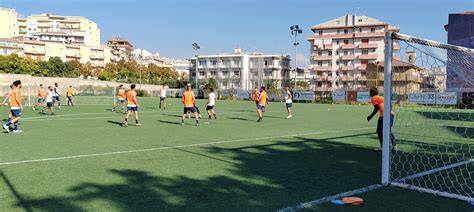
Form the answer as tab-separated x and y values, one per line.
368	46
348	46
323	47
322	58
323	68
362	78
72	55
347	57
368	56
96	57
347	68
369	35
332	36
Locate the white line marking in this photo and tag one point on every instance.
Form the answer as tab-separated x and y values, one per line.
329	198
174	147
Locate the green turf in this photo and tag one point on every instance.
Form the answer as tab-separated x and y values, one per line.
229	164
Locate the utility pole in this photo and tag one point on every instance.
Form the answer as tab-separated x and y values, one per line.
196	48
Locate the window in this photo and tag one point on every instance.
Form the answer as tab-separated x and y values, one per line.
337	52
237	73
365	41
320	53
202	73
214	62
337	63
346	63
346	53
346	31
237	62
372	29
346	42
213	73
320	32
365	52
202	62
320	63
360	30
360	20
330	53
364	62
338	31
337	41
266	62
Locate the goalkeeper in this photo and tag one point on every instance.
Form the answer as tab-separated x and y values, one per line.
377	102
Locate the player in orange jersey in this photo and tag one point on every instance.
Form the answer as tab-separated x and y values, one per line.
189	102
377	102
132	105
41	96
15	108
262	102
120	98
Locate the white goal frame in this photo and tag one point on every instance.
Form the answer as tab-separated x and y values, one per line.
386	152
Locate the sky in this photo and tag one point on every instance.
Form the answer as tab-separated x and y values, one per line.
171	26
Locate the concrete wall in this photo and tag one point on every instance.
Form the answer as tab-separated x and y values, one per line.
31	83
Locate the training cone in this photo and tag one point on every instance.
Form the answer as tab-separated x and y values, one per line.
353	200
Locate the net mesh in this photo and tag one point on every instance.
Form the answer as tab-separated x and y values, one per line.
432	95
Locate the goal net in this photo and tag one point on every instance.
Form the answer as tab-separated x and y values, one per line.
432	97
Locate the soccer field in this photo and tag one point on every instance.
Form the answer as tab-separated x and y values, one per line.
83	160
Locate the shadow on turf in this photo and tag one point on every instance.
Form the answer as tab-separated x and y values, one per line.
242	119
116	123
264	177
169	122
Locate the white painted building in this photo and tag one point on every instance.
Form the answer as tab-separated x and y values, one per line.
341	49
242	70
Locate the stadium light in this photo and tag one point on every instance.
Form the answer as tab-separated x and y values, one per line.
196	48
295	30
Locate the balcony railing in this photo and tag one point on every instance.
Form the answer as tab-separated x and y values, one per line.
368	46
323	68
362	67
347	57
322	58
348	46
347	68
369	34
368	56
323	47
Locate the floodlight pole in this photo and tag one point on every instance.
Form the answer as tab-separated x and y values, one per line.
387	87
295	30
196	48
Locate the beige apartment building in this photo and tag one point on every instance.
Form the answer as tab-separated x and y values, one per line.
121	49
46	35
342	48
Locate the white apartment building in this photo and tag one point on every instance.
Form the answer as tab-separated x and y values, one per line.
341	49
241	70
181	66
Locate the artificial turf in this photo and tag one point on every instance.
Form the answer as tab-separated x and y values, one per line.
83	160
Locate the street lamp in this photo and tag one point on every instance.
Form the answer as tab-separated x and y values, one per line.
196	48
295	30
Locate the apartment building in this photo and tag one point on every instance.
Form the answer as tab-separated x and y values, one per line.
10	46
48	24
242	70
8	23
121	49
342	48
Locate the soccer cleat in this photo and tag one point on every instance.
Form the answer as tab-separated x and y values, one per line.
7	128
125	124
197	124
200	116
289	117
113	110
33	108
395	148
189	115
210	117
259	120
138	124
17	131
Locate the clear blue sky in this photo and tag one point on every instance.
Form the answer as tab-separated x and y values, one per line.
171	26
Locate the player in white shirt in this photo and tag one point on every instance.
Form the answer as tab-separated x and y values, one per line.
49	101
288	101
163	97
211	102
56	95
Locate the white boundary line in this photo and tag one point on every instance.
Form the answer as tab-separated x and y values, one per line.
329	198
174	147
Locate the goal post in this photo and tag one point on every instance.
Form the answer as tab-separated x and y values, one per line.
429	86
